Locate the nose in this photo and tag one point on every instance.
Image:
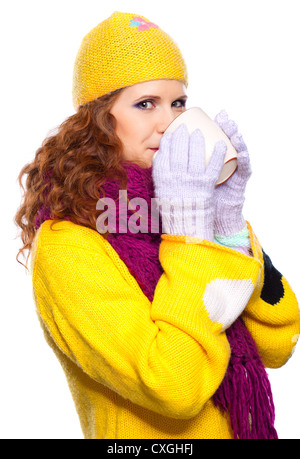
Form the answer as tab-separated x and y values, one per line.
164	119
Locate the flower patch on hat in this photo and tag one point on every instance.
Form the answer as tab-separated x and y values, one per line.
141	24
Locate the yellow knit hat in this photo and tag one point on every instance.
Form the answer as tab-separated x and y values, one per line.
123	50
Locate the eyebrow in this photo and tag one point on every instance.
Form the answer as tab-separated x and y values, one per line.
149	96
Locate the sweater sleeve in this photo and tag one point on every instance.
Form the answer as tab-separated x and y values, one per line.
169	356
272	315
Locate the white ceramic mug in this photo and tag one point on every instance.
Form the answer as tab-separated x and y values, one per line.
195	118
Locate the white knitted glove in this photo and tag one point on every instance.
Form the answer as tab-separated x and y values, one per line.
184	185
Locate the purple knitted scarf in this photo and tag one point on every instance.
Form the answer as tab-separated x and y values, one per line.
245	392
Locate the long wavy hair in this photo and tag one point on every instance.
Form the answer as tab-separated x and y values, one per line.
69	168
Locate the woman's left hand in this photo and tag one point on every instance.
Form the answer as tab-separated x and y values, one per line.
230	196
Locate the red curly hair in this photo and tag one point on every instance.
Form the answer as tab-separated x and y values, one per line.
69	168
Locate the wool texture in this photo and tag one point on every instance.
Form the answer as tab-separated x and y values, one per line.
121	51
245	392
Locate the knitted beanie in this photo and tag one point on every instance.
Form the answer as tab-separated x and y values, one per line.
121	51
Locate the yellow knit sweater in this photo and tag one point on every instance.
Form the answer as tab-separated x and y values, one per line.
138	369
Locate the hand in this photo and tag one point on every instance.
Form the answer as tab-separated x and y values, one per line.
185	185
230	196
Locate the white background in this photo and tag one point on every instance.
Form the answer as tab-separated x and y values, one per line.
242	56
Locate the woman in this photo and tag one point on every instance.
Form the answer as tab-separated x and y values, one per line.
163	328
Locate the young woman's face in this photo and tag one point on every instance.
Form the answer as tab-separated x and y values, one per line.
143	112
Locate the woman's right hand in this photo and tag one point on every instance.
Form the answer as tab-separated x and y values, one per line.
184	185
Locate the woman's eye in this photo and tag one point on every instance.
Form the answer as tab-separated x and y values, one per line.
149	104
180	103
145	105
